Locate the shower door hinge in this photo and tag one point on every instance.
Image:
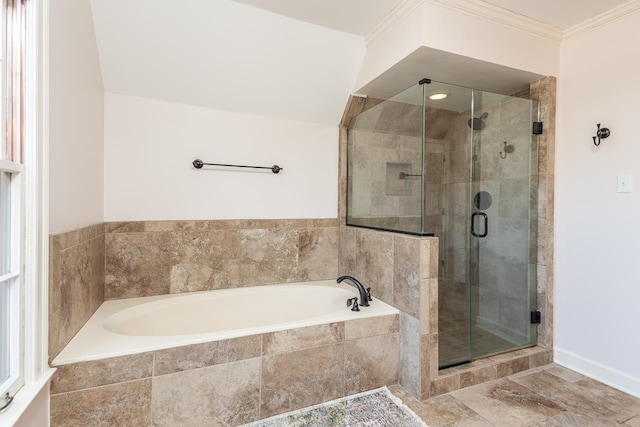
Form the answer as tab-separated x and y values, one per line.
537	128
535	317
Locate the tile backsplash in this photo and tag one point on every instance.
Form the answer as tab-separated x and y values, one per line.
162	257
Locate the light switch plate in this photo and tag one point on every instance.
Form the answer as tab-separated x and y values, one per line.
624	183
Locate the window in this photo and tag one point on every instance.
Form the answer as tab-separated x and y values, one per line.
12	234
11	281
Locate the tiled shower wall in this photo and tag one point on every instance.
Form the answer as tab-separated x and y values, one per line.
133	259
371	254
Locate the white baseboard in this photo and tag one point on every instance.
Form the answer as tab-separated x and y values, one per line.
597	371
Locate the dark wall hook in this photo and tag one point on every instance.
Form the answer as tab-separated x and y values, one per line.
601	134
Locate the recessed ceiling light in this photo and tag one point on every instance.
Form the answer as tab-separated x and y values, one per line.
438	96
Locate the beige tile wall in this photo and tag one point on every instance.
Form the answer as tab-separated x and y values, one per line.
229	382
76	282
402	271
162	257
131	259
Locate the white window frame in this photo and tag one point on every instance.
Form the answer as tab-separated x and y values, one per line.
36	371
15	279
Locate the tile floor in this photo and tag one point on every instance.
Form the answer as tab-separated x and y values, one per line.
548	396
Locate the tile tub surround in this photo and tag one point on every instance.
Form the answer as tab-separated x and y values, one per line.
128	259
401	271
162	257
76	282
229	382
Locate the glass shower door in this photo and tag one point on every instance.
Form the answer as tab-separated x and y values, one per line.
503	223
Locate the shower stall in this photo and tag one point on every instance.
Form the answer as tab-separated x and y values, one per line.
459	164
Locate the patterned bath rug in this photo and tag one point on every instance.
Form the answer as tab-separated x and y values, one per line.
375	408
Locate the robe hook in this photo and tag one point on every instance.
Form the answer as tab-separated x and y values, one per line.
601	134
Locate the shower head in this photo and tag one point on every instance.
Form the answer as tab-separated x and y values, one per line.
478	123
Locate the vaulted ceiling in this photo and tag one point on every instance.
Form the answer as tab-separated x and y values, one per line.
262	56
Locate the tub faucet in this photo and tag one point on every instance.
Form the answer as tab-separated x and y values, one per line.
364	295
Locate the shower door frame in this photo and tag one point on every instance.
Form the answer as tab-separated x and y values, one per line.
477	246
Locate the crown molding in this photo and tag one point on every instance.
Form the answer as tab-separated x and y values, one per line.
498	15
604	18
474	8
396	15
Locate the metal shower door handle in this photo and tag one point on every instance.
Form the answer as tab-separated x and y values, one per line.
473	224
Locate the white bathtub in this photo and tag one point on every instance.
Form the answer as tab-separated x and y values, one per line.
137	325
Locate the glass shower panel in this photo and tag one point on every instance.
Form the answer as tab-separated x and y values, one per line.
503	218
447	156
385	165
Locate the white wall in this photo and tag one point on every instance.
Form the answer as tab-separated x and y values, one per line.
464	34
76	119
150	144
37	414
597	229
226	55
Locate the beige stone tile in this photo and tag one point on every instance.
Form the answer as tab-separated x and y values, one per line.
96	279
79	290
475	421
444	410
305	223
428	306
429	258
564	373
156	226
194	356
267	256
301	378
318	253
513	366
633	422
371	326
55	298
406	275
371	363
68	238
434	362
410	355
137	264
220	395
235	224
478	376
505	403
347	251
426	370
572	419
206	260
445	384
124	227
625	405
374	255
302	338
123	404
574	398
540	358
78	376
